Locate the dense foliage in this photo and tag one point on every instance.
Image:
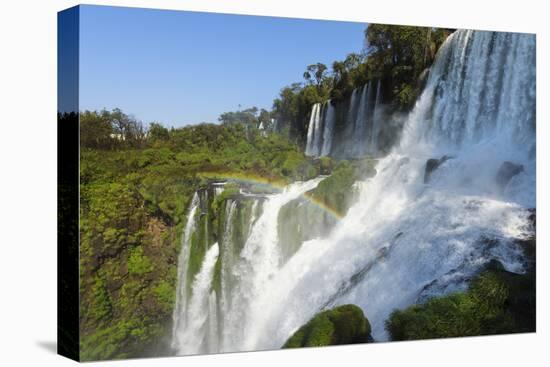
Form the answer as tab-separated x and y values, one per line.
341	325
336	191
497	302
394	55
399	54
109	129
134	191
250	117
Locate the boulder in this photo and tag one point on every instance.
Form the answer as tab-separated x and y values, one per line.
505	173
341	325
432	164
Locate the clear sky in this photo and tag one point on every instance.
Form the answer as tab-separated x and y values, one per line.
180	67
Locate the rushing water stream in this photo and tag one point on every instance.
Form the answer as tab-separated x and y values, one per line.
405	238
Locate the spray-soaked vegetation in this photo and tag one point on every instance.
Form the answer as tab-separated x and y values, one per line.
341	325
497	302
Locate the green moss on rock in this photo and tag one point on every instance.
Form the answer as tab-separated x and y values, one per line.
341	325
316	213
300	220
139	263
497	302
336	190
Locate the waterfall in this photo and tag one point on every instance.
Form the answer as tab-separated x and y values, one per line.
259	262
195	335
314	131
183	261
376	120
212	339
403	240
228	258
328	129
359	130
361	122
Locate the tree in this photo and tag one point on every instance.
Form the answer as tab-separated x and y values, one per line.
158	132
399	54
316	74
126	128
264	118
109	130
247	117
96	130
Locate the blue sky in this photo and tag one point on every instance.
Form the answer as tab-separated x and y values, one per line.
180	67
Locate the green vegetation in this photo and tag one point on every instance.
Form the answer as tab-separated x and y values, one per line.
340	325
249	117
336	191
395	55
497	302
316	213
399	54
138	263
110	129
135	188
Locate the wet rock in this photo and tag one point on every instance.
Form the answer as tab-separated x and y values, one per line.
432	164
505	173
423	79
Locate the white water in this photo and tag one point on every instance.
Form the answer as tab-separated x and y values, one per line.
314	131
373	146
259	263
183	262
360	129
403	240
328	132
196	336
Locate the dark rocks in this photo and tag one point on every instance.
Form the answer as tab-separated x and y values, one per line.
494	265
432	164
505	173
529	244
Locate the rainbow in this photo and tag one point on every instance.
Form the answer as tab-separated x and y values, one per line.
276	184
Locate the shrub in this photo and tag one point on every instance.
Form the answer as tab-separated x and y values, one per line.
342	325
497	302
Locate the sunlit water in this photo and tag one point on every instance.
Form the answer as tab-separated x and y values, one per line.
403	240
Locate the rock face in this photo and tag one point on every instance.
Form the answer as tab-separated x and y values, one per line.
432	164
314	214
342	325
505	173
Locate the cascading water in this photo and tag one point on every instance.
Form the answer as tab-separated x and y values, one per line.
403	240
259	263
328	132
196	336
183	260
376	117
358	126
314	131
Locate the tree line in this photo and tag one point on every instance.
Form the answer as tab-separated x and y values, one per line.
394	55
